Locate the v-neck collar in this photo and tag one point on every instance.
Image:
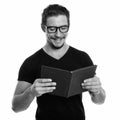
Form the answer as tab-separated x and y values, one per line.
54	57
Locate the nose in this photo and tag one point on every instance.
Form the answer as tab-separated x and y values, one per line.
58	33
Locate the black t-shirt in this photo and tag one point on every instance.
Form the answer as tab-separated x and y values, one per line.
51	107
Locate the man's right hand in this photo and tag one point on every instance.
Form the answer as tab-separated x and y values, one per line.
42	86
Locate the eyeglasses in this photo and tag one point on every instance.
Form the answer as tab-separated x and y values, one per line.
53	29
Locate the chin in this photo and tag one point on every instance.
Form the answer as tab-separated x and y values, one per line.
57	46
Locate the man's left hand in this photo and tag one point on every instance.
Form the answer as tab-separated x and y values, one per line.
92	84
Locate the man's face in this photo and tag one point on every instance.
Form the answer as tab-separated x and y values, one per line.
56	30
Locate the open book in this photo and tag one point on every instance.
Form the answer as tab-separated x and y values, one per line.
68	82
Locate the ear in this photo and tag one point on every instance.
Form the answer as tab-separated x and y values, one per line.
43	27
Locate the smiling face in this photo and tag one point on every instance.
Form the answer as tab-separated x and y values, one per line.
56	31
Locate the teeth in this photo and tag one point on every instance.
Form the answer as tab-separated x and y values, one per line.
58	40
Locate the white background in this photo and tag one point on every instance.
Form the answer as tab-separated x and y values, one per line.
95	28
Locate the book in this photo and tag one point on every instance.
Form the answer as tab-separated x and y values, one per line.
68	82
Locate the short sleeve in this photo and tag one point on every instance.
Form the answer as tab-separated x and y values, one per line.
27	72
87	61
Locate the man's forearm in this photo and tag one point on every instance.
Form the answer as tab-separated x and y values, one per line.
22	101
99	97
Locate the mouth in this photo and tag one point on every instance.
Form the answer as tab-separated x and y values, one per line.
57	43
58	39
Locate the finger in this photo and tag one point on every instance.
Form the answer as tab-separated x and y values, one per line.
91	83
95	78
48	91
45	92
45	84
91	80
44	89
41	80
91	87
88	80
94	81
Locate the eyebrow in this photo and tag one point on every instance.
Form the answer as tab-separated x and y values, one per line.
58	26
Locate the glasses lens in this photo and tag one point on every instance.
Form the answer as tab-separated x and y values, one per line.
51	29
64	29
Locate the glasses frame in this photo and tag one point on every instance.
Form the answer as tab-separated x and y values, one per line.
56	28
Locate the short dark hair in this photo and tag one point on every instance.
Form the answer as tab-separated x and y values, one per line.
54	10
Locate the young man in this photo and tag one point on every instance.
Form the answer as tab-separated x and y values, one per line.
55	53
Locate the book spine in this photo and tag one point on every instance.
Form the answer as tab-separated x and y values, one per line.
69	87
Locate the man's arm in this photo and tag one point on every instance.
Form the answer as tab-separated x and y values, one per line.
93	85
26	92
98	97
22	97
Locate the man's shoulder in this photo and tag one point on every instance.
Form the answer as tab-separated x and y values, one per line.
34	57
77	51
82	56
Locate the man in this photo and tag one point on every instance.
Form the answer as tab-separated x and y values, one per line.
55	53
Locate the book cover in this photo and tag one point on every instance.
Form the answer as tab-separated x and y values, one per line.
68	82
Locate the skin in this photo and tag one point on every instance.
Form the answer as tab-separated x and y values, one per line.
56	47
56	40
93	85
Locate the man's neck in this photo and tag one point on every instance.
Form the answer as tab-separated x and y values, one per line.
56	53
